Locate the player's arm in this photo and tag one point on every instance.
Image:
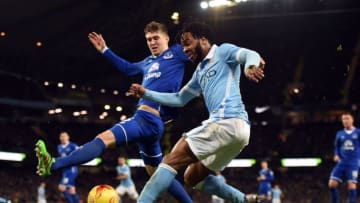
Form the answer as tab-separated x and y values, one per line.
189	91
337	149
121	64
122	176
260	177
253	63
178	99
270	176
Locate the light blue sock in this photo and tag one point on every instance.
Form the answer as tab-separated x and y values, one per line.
334	193
81	155
178	192
352	196
215	186
75	198
158	183
68	196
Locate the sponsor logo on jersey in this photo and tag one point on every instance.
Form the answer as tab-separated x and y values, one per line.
154	67
153	71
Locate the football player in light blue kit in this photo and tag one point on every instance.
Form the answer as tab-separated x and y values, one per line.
41	197
69	174
266	176
276	194
208	148
162	71
347	149
126	185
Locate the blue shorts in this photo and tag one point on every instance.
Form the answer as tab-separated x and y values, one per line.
69	177
348	172
265	190
144	128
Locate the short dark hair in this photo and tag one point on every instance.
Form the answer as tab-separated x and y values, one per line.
154	26
197	29
348	113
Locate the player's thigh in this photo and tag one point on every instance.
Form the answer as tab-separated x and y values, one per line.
195	173
151	153
337	175
72	190
120	190
352	177
216	144
180	156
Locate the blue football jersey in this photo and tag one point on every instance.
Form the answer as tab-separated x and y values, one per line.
347	146
269	175
163	73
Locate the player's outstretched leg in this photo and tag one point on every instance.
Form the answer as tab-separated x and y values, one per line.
87	152
177	190
158	183
45	160
215	186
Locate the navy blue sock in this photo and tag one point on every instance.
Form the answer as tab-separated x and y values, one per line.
68	196
334	195
75	198
81	155
178	192
352	196
215	186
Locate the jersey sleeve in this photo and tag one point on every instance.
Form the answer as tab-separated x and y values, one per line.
180	53
178	99
337	145
270	176
121	64
234	54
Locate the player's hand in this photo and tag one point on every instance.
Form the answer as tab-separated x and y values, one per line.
136	91
97	40
336	158
254	73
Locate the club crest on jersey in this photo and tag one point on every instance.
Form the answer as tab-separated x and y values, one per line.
348	145
355	136
168	55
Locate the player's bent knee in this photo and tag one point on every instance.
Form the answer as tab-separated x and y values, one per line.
333	183
61	188
108	138
351	186
72	190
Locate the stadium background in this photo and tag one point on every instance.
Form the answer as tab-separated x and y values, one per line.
312	51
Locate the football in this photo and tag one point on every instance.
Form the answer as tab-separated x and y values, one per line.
103	194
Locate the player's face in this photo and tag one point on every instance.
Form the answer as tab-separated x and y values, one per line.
64	138
121	161
264	164
192	47
347	121
158	42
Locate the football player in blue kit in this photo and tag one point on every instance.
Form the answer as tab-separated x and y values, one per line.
69	174
162	71
347	149
266	176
